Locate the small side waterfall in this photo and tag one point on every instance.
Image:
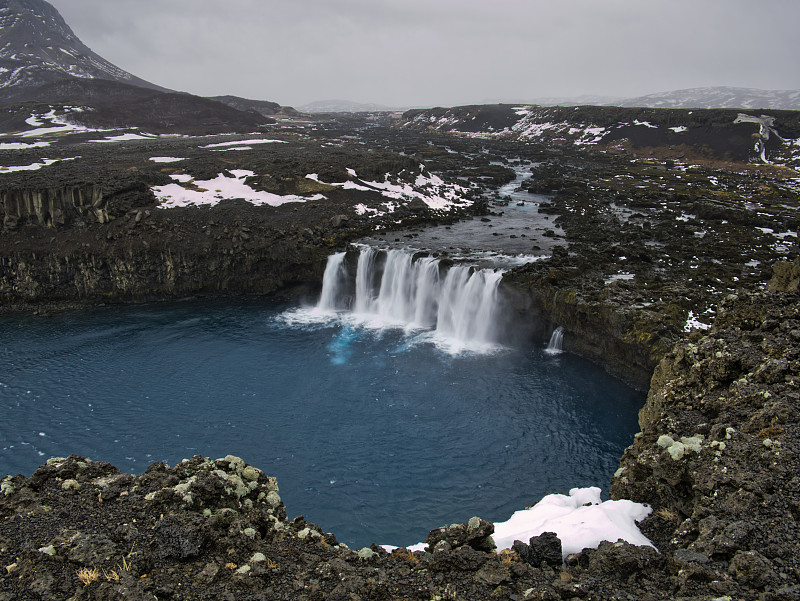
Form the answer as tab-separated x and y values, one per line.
556	341
396	288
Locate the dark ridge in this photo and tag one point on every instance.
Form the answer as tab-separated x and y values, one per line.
118	105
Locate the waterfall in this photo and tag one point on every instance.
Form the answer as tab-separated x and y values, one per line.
397	288
334	274
556	341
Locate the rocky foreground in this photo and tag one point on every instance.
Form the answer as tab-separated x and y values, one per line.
717	459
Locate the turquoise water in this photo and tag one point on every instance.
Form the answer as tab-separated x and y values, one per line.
375	435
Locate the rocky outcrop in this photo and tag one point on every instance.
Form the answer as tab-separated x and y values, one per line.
146	257
785	276
218	529
620	339
711	133
53	206
719	453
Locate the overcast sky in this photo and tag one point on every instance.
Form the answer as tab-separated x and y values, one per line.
443	52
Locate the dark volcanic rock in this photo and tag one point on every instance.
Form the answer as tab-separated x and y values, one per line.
476	533
543	548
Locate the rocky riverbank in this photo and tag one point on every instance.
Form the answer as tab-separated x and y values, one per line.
717	459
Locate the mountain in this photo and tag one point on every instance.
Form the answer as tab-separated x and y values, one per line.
42	61
719	97
344	106
584	100
38	47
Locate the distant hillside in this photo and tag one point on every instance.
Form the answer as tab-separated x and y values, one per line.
262	107
720	97
344	106
725	134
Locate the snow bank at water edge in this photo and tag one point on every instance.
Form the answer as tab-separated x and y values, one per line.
580	520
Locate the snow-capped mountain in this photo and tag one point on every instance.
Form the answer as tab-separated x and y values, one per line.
718	97
38	47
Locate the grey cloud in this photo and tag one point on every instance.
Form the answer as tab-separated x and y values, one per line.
422	52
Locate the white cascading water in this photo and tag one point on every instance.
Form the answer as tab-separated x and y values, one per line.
556	341
334	272
394	288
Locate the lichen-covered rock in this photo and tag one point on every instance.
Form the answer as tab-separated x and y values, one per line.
719	449
476	533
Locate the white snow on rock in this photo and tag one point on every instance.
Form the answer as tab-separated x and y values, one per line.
430	189
223	187
123	138
166	159
32	166
49	123
244	143
693	323
580	520
22	145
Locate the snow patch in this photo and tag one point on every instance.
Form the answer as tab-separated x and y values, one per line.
693	323
123	138
166	159
22	145
49	123
244	143
430	189
33	166
580	520
223	187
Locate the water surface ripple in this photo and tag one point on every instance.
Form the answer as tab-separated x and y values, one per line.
372	435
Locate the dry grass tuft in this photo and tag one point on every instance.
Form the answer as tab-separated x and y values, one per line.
88	575
667	514
508	557
404	553
771	432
